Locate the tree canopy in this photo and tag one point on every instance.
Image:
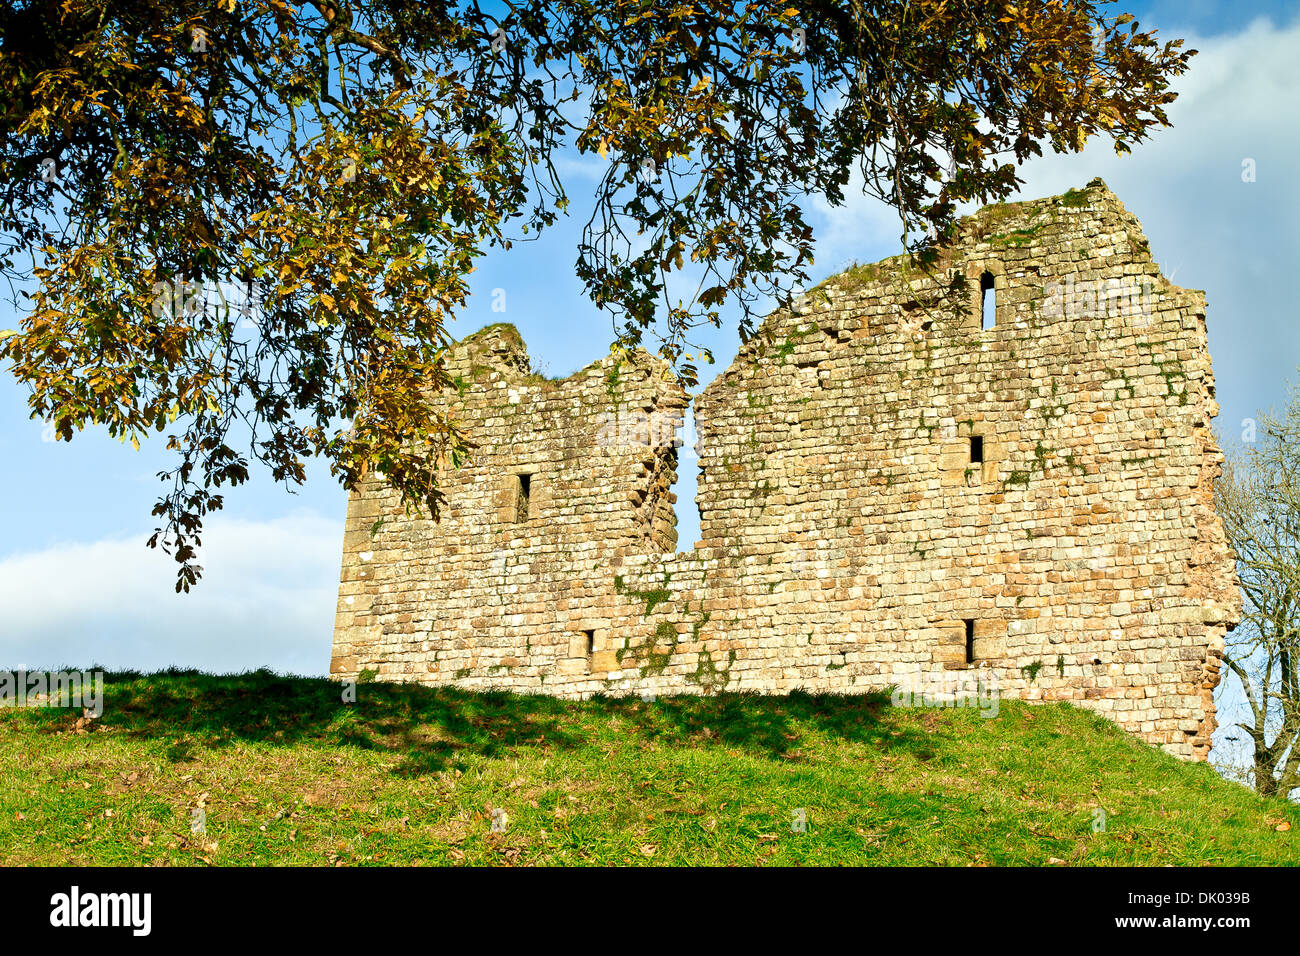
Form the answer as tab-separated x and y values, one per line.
341	164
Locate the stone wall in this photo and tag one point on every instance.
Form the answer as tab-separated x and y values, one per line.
889	494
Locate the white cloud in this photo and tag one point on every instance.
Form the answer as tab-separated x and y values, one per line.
1238	100
863	229
266	600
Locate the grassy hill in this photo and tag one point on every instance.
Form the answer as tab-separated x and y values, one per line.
289	774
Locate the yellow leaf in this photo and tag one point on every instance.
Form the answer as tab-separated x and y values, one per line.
601	148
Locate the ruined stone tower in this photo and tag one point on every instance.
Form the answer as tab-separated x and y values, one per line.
995	463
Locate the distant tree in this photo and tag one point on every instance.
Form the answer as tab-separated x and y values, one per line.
343	163
1258	496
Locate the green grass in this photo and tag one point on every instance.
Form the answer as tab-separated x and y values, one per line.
289	774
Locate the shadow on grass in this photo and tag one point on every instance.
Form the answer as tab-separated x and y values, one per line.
433	727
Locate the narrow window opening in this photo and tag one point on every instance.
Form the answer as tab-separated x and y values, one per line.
988	302
970	640
523	498
977	449
688	515
589	645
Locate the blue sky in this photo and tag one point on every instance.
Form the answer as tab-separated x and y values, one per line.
79	585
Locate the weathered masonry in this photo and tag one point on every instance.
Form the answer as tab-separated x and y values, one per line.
998	463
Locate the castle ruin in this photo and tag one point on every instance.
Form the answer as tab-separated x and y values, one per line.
998	462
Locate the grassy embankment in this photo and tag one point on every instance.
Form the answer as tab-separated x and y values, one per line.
286	773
